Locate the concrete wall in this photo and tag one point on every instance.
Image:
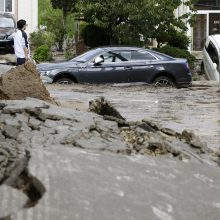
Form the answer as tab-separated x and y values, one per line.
179	12
28	10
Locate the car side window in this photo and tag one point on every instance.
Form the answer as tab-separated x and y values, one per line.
125	55
211	50
107	57
115	56
139	55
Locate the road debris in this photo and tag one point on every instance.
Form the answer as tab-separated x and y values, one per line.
21	82
39	130
148	138
102	107
58	157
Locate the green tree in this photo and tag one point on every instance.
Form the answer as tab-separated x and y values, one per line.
94	36
52	20
134	22
67	6
171	28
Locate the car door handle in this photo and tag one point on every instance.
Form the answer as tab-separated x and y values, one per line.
128	68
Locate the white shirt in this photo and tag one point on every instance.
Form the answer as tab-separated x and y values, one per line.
19	44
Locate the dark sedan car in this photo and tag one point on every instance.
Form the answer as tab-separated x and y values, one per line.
7	27
120	65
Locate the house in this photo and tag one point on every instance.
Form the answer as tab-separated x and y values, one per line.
22	9
207	22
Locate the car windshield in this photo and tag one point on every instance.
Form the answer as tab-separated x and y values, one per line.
6	22
87	56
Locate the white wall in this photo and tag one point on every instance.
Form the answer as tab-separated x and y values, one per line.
179	12
28	10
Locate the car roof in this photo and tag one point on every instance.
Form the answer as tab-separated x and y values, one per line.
216	39
121	48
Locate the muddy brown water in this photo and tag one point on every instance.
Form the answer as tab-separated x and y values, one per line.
196	108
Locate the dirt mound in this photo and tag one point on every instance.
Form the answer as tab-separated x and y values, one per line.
3	96
21	82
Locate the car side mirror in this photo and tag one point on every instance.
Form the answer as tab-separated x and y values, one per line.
215	65
98	60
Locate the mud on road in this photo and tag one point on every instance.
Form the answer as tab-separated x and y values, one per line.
196	108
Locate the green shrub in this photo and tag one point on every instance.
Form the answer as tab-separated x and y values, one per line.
174	38
42	53
69	52
178	53
178	39
39	38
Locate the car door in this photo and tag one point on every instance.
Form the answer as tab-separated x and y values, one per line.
211	61
113	69
143	69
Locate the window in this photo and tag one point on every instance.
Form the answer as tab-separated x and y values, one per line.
2	5
107	57
212	53
126	55
141	55
207	4
116	56
6	5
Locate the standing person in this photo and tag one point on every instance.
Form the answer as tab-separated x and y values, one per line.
21	46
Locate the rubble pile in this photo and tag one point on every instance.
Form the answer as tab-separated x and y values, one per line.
12	158
21	82
34	123
102	107
48	146
148	138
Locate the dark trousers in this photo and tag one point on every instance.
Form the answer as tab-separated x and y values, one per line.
20	61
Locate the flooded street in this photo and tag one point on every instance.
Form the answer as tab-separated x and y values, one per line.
53	157
196	108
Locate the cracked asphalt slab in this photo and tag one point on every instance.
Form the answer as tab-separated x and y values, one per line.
196	108
96	185
81	167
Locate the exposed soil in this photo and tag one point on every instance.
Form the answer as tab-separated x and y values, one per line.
21	82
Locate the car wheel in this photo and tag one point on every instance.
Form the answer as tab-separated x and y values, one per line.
163	81
64	80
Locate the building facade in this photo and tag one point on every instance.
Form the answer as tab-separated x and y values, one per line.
207	22
22	9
